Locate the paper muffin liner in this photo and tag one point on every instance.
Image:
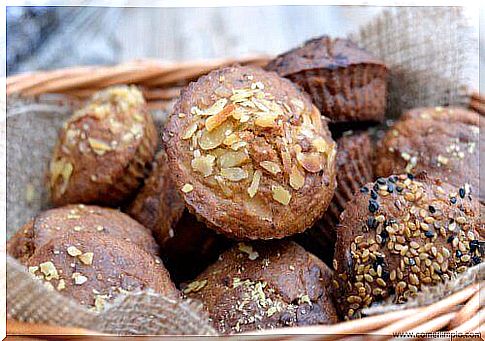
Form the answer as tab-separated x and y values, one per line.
353	93
354	169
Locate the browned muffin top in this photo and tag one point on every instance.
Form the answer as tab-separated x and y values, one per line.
400	233
444	142
265	286
158	204
250	154
321	52
75	219
94	269
102	148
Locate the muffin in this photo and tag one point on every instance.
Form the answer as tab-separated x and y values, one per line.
355	152
186	246
102	150
444	142
345	82
250	155
264	286
95	268
75	219
400	233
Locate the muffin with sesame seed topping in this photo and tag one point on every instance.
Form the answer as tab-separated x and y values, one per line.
94	269
74	219
103	149
264	286
250	155
346	83
444	142
401	233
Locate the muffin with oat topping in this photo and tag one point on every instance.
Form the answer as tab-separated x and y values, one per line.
345	82
75	219
264	286
102	150
186	246
95	268
250	155
400	233
355	152
444	142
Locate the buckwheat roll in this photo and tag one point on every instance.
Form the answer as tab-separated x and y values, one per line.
94	269
103	149
250	155
265	286
399	234
75	219
345	82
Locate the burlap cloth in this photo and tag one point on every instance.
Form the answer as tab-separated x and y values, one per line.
433	57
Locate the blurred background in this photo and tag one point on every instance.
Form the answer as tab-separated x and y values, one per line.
53	37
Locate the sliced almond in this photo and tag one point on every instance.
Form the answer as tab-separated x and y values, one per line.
312	162
49	270
232	159
87	258
297	178
253	188
281	195
98	146
203	164
266	119
191	129
187	188
270	166
222	184
234	173
212	139
74	251
63	168
214	109
216	120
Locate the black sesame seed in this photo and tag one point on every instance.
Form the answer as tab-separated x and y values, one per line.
473	245
372	223
385	275
439	272
381	181
390	188
450	239
384	235
364	190
476	260
393	179
453	200
373	206
376	187
458	253
373	195
432	209
429	234
412	261
399	189
379	260
462	192
410	176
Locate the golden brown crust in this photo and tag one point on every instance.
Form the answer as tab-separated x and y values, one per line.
444	142
75	219
345	82
158	206
220	140
355	154
400	233
265	286
94	269
102	149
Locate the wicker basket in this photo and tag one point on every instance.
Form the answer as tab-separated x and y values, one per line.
161	83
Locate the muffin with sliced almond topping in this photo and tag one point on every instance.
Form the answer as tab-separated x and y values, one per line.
399	234
187	246
74	219
103	149
443	141
250	154
95	268
346	83
265	286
